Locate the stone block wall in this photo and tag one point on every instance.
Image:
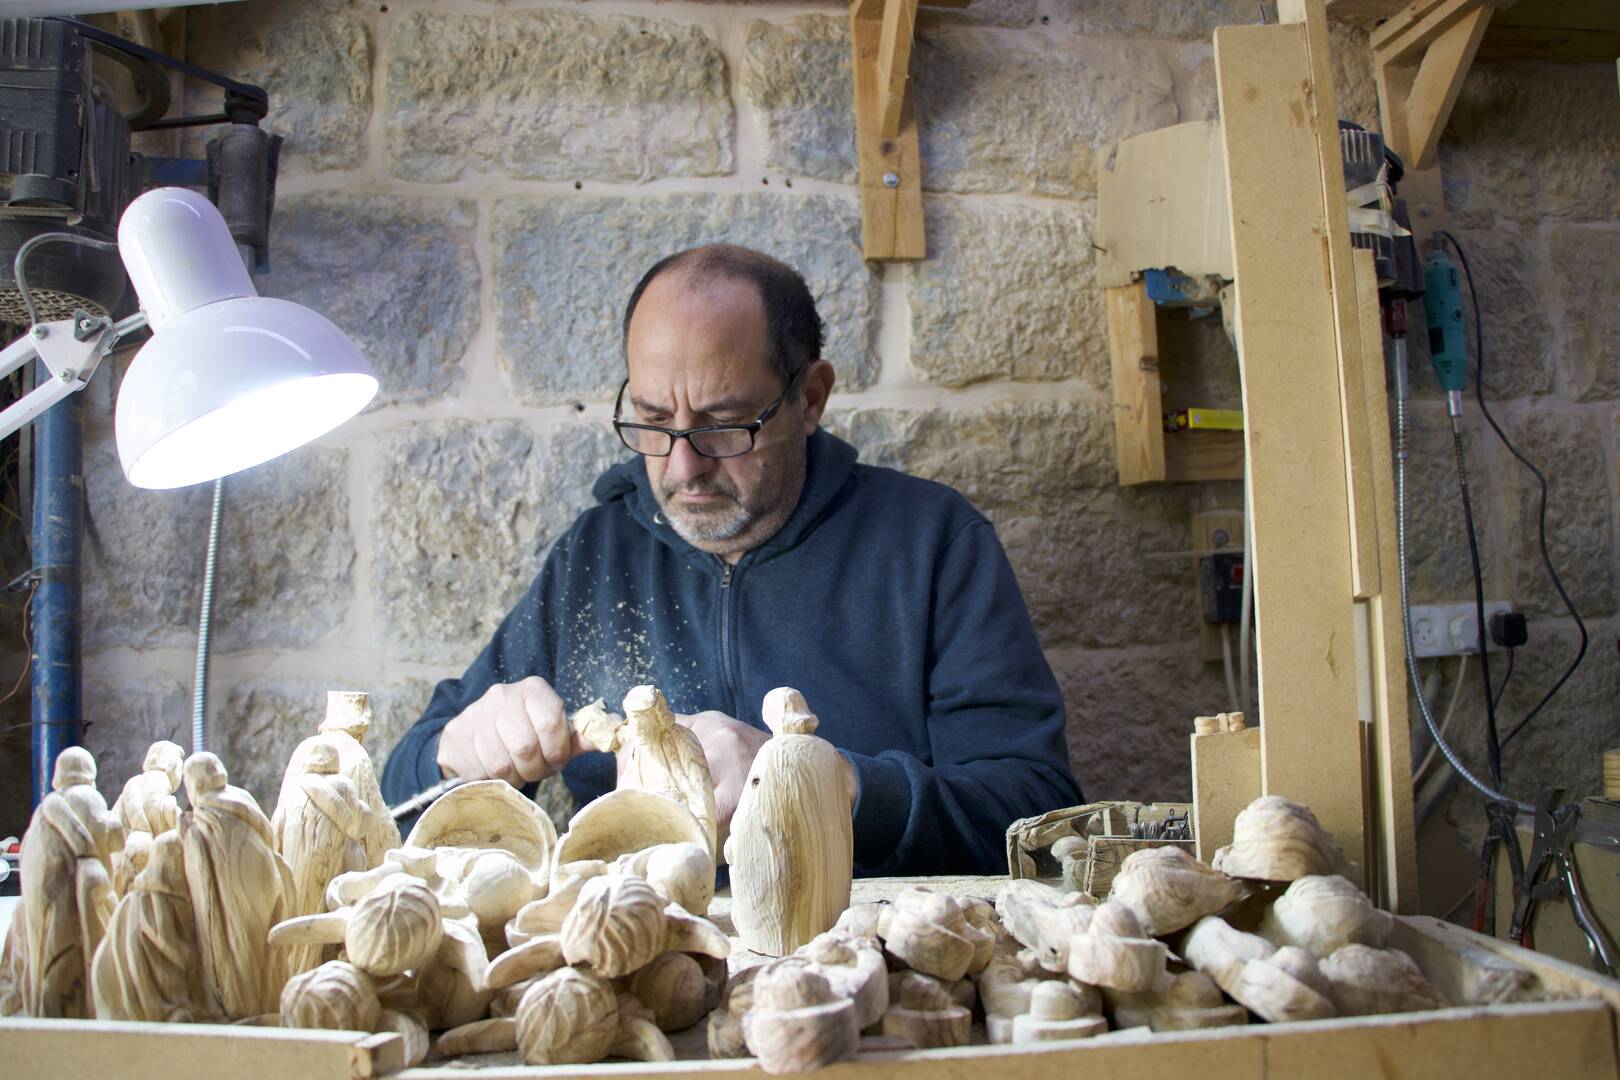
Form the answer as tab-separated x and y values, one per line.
471	189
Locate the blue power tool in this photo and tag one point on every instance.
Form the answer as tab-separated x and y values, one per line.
1448	344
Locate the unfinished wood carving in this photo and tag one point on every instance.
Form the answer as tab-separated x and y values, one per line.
724	1034
930	931
674	988
348	715
147	966
861	920
792	843
681	873
655	753
67	893
1219	950
622	822
1058	1011
923	1012
1168	890
798	1022
1044	919
620	923
1323	913
338	996
1285	986
1276	839
146	807
482	816
1365	981
240	888
855	968
1114	952
573	1017
320	830
1189	1001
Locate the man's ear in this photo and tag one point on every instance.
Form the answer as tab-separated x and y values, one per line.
817	386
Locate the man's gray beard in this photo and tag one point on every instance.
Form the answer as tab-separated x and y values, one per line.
704	526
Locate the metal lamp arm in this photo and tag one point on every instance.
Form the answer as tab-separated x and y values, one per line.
71	350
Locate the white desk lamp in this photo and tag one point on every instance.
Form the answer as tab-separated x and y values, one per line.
229	379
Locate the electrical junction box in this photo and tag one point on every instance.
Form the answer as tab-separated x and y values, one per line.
1221	583
1450	629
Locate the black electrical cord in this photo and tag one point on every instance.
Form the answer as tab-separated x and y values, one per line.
1500	690
1546	557
1493	740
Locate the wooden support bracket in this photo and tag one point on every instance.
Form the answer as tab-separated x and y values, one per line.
1420	57
886	129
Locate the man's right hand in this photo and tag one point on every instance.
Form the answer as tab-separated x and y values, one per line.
517	732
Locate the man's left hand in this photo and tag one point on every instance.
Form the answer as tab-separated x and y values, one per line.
730	746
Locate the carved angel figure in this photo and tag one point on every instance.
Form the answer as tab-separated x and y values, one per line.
147	807
146	967
67	893
792	844
348	715
240	888
655	753
321	833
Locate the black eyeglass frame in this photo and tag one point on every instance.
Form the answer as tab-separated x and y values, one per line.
752	427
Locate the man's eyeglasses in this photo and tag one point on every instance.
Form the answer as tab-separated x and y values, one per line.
713	441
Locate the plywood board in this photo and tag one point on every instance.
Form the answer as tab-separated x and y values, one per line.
1161	203
51	1049
1133	350
1226	778
1288	342
1390	777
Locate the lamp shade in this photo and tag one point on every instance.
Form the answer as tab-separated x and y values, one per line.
229	379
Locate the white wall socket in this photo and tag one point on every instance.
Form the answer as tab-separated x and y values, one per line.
1449	629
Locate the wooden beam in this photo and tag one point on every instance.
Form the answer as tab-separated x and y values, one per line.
894	61
891	167
1133	350
1203	455
1288	340
1323	117
1420	57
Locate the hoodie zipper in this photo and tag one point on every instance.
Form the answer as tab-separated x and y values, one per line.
725	635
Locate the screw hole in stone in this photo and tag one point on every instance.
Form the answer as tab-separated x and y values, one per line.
579	406
578	185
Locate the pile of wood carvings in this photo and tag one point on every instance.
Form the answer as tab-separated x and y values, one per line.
487	929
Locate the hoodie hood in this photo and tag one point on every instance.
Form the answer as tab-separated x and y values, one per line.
829	462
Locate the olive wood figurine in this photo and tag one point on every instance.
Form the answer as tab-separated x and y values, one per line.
240	888
338	996
1276	839
1058	1011
1322	913
923	1012
1044	919
147	808
791	848
932	934
1365	981
1189	1001
1115	952
569	1017
146	967
1169	890
320	831
798	1022
655	753
67	894
348	715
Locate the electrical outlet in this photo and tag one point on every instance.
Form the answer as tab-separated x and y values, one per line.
1449	629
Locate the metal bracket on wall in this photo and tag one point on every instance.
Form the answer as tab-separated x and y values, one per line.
886	129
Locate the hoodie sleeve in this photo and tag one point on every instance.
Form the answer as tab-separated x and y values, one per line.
995	730
521	647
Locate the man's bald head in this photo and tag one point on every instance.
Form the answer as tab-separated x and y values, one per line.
793	330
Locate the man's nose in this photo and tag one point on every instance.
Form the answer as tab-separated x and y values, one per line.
685	463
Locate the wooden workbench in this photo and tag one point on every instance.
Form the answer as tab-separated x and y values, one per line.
1570	1038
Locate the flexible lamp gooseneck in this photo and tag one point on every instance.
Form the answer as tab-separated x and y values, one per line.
229	379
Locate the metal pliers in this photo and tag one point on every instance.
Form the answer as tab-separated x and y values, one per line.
1554	834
